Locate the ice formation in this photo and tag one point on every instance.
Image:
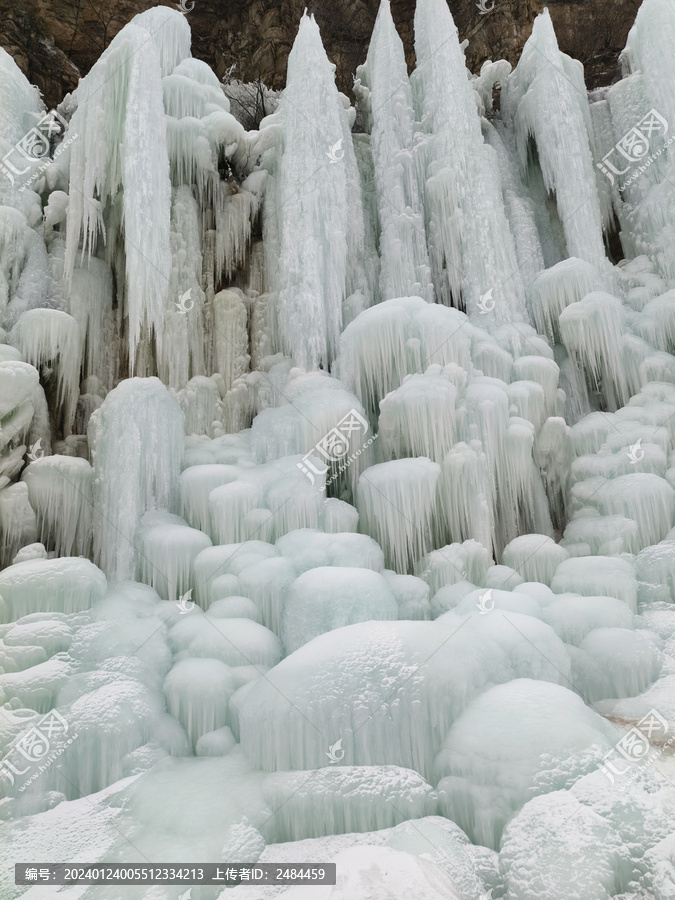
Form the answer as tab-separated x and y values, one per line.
337	466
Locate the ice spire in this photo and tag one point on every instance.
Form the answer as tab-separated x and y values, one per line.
313	213
122	146
385	95
546	101
470	243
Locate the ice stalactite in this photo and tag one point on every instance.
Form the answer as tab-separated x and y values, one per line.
197	692
167	548
591	330
60	492
418	417
25	277
384	93
121	145
50	337
313	216
643	113
396	503
136	439
470	244
545	98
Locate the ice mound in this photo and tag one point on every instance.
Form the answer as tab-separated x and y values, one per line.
616	662
236	642
370	683
324	599
341	800
197	692
483	781
64	585
167	550
608	822
534	556
307	549
398	873
597	576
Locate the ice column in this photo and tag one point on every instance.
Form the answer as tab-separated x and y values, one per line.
384	92
546	100
136	437
470	244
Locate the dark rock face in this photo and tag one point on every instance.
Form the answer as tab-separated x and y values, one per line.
55	41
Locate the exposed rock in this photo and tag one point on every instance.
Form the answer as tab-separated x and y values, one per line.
55	40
